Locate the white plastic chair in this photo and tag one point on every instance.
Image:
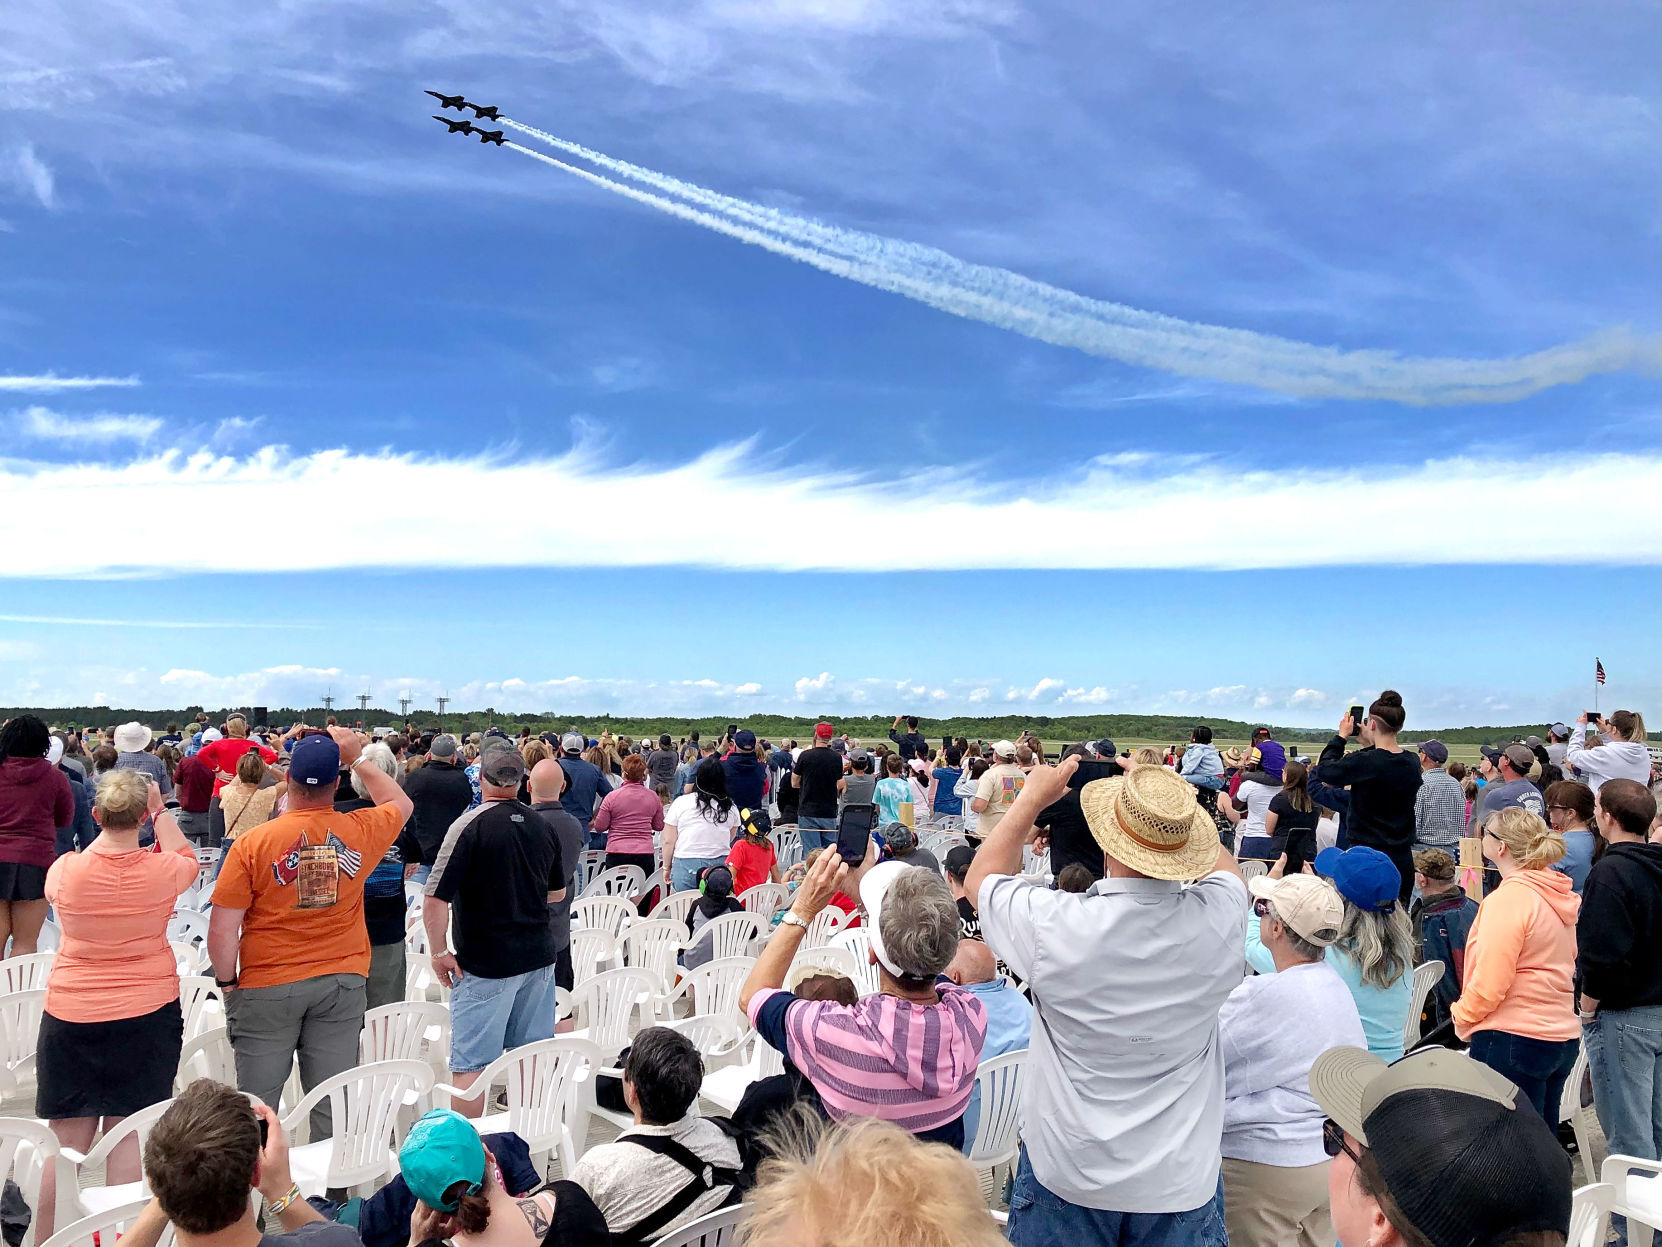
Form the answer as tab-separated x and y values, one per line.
50	938
188	924
765	899
605	1005
654	944
626	881
27	1148
787	844
208	1055
833	958
825	925
26	973
95	1200
1251	868
187	958
1571	1109
712	988
724	1088
605	913
717	1036
714	1229
589	865
1425	978
675	907
858	943
408	1030
1637	1194
593	948
363	1105
1000	1080
102	1229
731	935
414	893
19	1033
202	1003
545	1083
420	980
1590	1215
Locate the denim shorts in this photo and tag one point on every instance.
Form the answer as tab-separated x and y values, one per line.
491	1016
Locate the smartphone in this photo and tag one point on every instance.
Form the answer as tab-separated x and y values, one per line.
854	827
1356	715
1093	769
1592	717
265	1129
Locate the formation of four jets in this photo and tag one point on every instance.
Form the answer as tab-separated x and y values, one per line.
481	112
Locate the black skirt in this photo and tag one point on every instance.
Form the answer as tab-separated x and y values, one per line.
21	882
107	1069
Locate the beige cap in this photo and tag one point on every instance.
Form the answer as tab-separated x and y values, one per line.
1349	1083
1004	749
1309	904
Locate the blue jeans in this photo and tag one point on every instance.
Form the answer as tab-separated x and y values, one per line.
1624	1054
1538	1066
491	1016
812	832
1041	1218
683	871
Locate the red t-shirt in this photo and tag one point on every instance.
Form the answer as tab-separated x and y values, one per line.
194	783
222	756
751	864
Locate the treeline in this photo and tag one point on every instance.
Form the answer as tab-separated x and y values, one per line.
1168	729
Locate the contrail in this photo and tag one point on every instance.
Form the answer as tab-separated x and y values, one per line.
1148	339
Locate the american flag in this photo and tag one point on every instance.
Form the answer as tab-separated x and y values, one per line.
1598	671
351	861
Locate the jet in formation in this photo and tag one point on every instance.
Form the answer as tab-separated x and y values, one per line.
481	112
465	126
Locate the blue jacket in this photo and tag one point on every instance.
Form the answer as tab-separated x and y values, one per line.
1335	799
746	780
82	830
1444	924
584	785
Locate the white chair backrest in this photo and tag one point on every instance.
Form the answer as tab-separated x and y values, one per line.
714	986
202	1003
1251	868
834	958
19	1032
626	881
406	1030
187	958
545	1082
1590	1212
995	1141
713	1034
26	973
414	894
858	943
188	924
590	948
787	843
1425	978
420	982
589	865
103	1228
653	945
730	935
1570	1109
675	907
765	899
133	1125
825	925
209	1055
714	1229
50	938
364	1104
27	1148
606	913
609	1003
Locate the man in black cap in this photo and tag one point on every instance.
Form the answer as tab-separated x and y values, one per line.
1437	1149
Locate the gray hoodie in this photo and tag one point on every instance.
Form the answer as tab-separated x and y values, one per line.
1619	759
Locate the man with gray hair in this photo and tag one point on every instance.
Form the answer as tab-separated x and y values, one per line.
500	867
865	1059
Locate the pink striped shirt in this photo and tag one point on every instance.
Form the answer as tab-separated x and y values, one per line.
884	1057
629	815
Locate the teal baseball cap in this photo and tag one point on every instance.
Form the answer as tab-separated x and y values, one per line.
441	1150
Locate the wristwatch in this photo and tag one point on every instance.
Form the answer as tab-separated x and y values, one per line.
791	918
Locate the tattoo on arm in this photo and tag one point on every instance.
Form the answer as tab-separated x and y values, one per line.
535	1215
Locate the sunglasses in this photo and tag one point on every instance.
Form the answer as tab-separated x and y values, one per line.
1333	1141
1261	906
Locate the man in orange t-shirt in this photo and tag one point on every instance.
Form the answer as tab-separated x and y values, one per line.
289	907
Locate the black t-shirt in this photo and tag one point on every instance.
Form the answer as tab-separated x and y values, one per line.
384	908
821	769
496	867
1295	833
440	792
1382	791
570	833
1071	842
969	921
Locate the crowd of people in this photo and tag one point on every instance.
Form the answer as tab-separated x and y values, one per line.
1209	1058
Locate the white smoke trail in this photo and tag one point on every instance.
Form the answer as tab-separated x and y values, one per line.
1148	339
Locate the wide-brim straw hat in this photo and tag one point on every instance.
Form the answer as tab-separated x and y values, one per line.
1150	821
1232	757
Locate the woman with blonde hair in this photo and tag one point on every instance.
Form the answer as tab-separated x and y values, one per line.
866	1183
1622	756
1517	1008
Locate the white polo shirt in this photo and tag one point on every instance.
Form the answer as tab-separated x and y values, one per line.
1122	1101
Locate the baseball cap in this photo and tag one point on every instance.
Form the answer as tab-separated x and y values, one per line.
501	764
1560	731
824	731
874	889
744	738
1522	757
1365	877
1003	749
1309	905
716	881
1490	752
1465	1158
958	860
443	746
1532	741
212	734
571	742
1104	747
839	745
314	760
859	755
441	1150
1435	750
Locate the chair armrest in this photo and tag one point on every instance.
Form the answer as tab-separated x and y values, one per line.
453	1094
1617	1169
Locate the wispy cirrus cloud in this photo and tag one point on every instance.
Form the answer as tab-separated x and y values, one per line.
42	424
51	383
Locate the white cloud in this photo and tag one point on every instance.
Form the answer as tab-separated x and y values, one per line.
1097	696
42	424
1308	697
29	173
1189	508
51	383
747	690
814	686
978	695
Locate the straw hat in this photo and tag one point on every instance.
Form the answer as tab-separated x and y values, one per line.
1233	757
1150	821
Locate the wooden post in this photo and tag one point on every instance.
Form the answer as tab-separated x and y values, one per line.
1471	866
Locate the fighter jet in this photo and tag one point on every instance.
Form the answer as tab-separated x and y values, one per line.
449	101
489	136
464	126
484	112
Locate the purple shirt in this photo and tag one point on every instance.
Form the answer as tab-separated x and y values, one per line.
629	815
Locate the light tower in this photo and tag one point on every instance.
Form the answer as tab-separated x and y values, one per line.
404	705
329	701
443	702
363	702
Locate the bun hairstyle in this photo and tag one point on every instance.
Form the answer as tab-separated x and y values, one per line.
1387	708
122	798
1532	844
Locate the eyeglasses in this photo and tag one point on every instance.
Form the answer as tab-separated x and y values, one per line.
1261	906
1333	1141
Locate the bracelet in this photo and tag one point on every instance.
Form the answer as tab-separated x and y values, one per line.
280	1206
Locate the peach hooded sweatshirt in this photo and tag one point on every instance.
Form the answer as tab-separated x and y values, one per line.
1520	960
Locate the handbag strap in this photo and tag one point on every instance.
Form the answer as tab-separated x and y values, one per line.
705	1177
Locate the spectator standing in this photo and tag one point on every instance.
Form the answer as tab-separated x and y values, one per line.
1558	737
222	753
1063	823
661	764
892	790
1571	809
194	783
1272	1028
1290	823
860	783
818	775
910	743
440	792
752	859
1619	933
949	806
747	776
247	801
496	874
1508	786
546	781
1009	1015
585	786
132	753
385	909
1517	1007
699	828
627	817
1123	1099
1440	804
35	800
1384	781
1622	756
81	830
1442	919
1247	805
111	1033
287	937
997	789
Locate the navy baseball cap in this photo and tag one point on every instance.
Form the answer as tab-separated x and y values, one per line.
744	738
1435	750
314	761
1490	752
1365	877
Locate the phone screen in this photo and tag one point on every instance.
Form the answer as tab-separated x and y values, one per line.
1093	769
854	828
265	1129
1356	715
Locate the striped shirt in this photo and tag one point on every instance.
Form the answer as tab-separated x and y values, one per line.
883	1057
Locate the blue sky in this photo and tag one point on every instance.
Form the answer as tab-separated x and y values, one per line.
456	420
